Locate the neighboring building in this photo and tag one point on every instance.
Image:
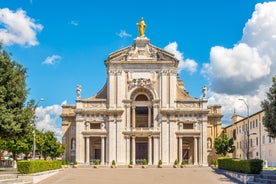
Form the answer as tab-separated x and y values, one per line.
260	145
143	111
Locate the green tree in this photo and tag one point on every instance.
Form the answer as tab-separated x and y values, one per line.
15	116
52	147
224	145
17	146
269	106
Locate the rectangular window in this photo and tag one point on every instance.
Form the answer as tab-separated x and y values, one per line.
256	123
250	124
269	140
257	154
257	141
251	142
263	139
237	145
253	124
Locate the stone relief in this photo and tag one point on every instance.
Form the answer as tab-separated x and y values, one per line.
189	105
141	82
115	71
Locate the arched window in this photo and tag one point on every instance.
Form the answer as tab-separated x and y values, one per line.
141	97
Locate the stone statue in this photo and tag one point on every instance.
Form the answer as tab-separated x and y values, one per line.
141	27
209	144
79	88
204	92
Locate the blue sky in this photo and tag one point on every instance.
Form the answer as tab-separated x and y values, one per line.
229	46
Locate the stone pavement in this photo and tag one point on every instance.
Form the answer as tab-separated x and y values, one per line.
191	175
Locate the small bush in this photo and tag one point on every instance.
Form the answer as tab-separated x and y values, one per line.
113	162
131	162
183	162
144	162
215	162
252	166
160	162
176	162
75	162
33	166
97	162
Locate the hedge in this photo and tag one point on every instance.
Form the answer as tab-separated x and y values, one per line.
252	166
33	166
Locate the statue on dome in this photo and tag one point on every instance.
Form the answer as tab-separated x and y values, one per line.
141	27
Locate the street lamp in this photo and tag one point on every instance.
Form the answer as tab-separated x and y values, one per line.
247	127
40	100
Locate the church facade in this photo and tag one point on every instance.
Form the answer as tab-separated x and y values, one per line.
142	112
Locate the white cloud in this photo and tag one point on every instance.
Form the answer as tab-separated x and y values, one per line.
51	60
18	28
74	23
187	64
245	71
123	34
48	119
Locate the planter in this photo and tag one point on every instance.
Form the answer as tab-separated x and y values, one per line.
144	166
113	166
96	166
183	166
130	166
75	166
160	166
175	166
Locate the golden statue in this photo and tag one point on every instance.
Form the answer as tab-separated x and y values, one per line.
141	27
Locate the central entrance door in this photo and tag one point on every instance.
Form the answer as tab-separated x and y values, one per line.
141	150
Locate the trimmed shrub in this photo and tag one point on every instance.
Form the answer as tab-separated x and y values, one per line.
131	162
160	162
252	166
176	162
145	162
33	166
96	162
113	162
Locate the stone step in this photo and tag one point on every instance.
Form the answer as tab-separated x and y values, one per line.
7	176
265	180
269	176
13	181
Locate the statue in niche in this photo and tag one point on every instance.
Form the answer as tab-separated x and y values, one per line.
209	144
141	27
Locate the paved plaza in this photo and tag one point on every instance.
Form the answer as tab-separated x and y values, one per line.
138	175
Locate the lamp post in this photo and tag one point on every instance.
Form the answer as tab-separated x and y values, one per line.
34	146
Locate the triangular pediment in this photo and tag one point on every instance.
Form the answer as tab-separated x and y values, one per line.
141	51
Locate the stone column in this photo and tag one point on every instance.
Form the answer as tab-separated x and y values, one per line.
127	149
128	115
150	151
149	116
180	149
88	150
133	150
155	150
133	117
102	150
195	151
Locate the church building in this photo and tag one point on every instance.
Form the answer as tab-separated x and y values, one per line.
142	112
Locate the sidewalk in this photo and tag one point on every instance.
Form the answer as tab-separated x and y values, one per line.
137	176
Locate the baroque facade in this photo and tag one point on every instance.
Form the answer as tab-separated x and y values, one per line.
142	112
250	135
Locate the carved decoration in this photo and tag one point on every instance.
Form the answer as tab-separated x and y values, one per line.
141	82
